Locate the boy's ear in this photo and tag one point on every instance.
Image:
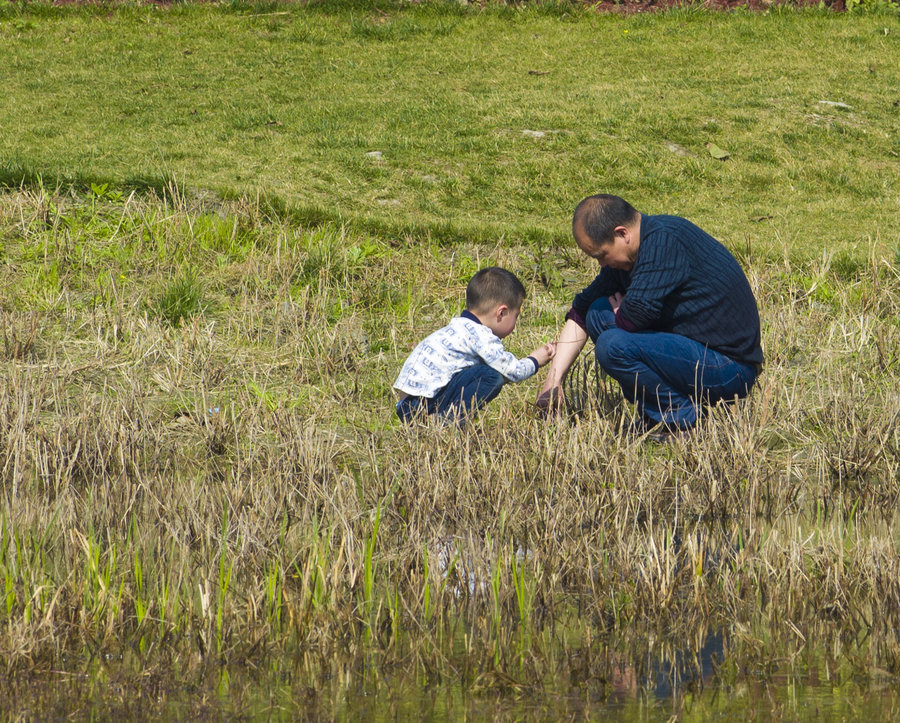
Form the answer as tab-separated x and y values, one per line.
502	311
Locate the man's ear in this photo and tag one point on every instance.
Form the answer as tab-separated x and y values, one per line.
622	232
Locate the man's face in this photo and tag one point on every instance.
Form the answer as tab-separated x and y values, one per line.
620	253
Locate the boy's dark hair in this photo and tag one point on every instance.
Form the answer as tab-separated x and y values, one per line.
599	215
494	285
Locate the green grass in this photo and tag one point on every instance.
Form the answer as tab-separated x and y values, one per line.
181	298
287	101
227	503
202	485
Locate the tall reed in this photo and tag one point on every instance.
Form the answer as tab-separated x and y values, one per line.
232	491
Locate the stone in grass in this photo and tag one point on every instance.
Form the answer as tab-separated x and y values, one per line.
534	134
375	155
678	149
836	104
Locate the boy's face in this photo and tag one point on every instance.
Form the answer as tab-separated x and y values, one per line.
502	320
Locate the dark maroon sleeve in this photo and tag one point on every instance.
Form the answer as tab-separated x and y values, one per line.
623	323
576	317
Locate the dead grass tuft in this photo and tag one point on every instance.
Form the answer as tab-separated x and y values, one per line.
234	491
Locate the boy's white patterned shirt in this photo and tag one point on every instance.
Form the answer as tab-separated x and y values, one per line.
461	344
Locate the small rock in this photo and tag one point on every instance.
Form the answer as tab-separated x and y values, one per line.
375	155
534	134
835	104
678	149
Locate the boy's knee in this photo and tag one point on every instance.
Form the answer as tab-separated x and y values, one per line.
490	383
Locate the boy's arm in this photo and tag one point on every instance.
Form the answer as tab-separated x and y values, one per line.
571	341
492	352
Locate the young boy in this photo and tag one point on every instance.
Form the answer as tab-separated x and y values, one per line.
458	369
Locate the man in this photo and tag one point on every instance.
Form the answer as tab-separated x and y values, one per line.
671	315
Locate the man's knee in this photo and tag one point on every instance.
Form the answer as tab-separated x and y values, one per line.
599	318
593	325
613	348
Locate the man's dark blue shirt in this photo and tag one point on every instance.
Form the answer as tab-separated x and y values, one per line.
683	282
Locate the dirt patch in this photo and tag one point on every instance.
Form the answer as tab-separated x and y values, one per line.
627	7
643	6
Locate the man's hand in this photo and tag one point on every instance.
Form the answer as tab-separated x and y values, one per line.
569	343
544	353
550	400
615	301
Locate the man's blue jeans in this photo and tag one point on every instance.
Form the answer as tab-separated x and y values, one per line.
667	376
468	391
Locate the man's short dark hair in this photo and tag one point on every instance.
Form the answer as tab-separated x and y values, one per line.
600	215
494	285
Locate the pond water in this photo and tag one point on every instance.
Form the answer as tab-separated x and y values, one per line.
686	685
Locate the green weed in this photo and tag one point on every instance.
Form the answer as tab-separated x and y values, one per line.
180	299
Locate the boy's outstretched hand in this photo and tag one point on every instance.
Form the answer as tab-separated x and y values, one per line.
544	353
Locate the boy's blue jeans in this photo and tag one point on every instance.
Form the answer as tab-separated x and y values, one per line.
667	376
467	392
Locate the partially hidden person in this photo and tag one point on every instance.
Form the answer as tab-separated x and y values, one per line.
671	314
458	369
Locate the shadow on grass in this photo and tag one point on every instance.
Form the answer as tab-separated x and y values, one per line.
25	176
275	208
444	233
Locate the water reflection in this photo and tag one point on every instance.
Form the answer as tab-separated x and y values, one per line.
668	672
688	668
655	686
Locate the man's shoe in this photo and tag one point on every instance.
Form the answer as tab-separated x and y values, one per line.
663	434
640	427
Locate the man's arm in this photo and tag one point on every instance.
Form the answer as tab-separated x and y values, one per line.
608	281
569	344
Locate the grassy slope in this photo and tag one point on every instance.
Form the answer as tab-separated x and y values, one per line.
288	102
125	501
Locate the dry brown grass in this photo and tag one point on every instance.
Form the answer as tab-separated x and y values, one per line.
232	491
